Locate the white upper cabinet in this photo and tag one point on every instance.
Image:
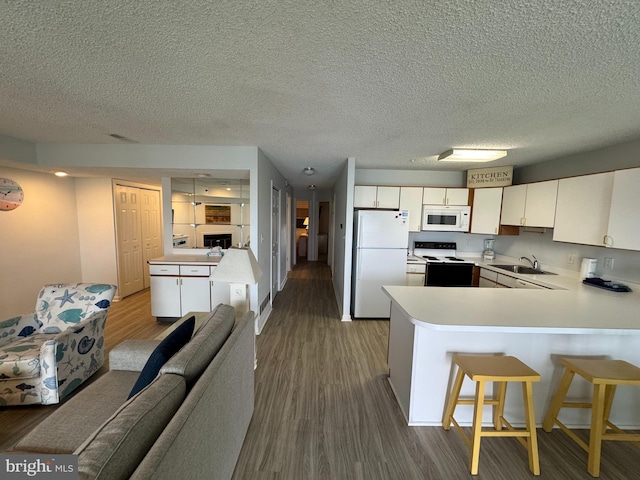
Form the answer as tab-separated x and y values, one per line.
624	218
532	205
582	211
445	196
411	200
371	196
485	216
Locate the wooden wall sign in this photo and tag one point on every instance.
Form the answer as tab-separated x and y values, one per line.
490	177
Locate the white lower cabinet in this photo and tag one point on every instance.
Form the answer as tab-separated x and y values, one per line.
179	289
491	279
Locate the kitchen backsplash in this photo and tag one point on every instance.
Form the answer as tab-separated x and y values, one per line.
626	263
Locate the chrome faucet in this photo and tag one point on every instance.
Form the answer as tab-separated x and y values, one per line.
535	265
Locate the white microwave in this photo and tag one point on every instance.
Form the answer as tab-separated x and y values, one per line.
446	218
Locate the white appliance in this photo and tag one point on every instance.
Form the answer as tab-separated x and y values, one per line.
444	269
380	245
446	218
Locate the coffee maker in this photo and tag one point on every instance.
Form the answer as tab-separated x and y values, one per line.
488	253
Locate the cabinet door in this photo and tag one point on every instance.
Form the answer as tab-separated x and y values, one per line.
365	196
434	196
513	201
485	217
582	210
457	196
165	296
624	219
195	294
485	283
411	200
540	206
388	197
220	293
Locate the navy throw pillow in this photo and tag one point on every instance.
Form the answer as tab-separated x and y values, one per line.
163	352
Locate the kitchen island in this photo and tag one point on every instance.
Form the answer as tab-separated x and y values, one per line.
429	325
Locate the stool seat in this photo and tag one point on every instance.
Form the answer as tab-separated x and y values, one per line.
605	376
501	370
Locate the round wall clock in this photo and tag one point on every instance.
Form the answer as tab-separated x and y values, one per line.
11	194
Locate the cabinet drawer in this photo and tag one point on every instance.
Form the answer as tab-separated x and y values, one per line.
164	269
489	274
194	270
506	280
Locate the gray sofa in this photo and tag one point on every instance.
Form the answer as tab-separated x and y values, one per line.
190	422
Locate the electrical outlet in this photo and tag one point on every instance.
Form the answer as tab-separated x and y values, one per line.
608	263
571	258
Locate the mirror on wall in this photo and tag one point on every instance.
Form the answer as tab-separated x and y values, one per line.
209	212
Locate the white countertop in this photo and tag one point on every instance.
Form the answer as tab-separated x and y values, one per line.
577	309
189	259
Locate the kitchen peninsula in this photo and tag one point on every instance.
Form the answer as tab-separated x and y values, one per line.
429	325
180	284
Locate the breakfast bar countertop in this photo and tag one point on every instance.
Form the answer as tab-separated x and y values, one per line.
191	259
583	309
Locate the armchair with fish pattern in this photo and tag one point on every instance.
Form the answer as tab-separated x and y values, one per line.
47	354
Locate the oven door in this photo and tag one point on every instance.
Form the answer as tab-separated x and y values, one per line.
449	275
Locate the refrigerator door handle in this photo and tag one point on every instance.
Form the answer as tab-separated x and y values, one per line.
359	260
360	228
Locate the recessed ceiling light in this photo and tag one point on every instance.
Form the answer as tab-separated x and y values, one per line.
309	170
61	174
311	187
471	155
204	175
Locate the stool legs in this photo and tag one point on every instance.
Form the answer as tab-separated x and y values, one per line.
453	400
532	444
558	400
476	434
597	428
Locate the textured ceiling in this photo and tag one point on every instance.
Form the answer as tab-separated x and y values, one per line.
314	82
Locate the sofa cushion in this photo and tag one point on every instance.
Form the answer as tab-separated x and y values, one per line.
78	417
116	448
163	352
191	361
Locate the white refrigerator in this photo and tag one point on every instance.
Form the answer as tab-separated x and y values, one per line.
380	244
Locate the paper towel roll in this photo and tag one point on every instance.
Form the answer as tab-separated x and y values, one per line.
588	267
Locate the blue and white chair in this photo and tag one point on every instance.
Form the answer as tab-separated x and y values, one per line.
47	354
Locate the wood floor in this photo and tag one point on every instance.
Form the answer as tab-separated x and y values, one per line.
324	408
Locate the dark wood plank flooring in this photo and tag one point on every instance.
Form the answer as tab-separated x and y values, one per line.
324	408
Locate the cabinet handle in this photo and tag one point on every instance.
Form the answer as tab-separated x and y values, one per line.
496	230
523	220
608	241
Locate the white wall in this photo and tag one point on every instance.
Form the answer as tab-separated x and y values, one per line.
410	178
343	231
40	240
96	225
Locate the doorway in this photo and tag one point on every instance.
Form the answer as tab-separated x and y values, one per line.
302	230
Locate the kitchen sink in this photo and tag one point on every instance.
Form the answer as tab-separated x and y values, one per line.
522	269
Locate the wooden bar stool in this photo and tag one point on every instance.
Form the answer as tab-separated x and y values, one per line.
501	369
605	375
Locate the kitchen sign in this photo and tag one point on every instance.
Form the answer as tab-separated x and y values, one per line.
490	177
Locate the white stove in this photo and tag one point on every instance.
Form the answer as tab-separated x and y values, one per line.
437	252
443	268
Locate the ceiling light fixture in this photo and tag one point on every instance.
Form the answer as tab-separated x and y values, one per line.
309	170
470	155
61	174
311	187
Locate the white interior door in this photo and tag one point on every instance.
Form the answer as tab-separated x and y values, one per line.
151	217
129	236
